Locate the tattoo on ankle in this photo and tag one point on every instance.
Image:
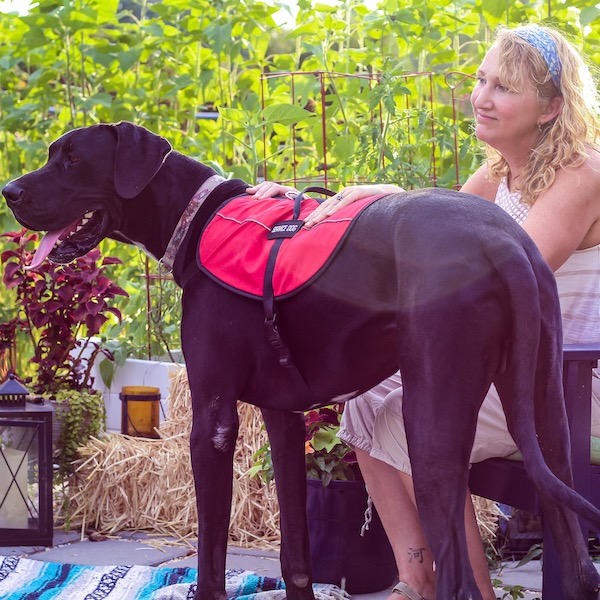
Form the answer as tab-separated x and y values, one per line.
416	554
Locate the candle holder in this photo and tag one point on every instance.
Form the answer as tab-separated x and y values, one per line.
140	406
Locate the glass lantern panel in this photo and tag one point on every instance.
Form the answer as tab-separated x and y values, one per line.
19	475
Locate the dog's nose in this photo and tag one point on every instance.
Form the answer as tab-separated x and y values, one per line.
13	193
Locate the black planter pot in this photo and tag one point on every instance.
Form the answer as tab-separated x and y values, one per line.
335	517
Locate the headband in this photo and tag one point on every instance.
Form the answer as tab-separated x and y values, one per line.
544	43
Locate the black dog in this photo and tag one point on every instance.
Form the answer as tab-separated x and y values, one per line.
444	286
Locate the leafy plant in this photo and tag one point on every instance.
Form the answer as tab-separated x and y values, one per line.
327	457
59	307
176	67
256	127
514	592
81	415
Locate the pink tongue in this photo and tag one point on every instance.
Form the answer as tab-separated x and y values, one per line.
45	247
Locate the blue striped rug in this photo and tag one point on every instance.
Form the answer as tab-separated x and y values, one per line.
26	579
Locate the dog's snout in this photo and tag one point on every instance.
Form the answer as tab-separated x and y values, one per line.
13	193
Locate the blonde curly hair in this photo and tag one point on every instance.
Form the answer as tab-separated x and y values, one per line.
567	139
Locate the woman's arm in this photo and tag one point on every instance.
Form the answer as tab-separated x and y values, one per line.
566	217
347	196
269	189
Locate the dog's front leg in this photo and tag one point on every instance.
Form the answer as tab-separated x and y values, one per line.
287	434
212	445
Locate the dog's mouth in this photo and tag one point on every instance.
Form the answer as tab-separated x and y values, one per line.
65	245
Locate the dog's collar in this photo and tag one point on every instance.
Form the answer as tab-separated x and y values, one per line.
186	219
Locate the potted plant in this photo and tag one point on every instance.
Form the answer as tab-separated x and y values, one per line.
59	308
343	550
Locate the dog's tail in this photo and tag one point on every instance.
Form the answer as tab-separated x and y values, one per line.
536	323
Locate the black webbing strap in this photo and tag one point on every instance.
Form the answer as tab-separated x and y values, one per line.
280	232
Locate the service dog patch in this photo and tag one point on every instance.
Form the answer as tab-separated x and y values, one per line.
236	243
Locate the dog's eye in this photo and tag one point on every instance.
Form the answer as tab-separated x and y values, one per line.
72	159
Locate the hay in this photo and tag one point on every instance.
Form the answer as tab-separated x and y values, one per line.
128	483
488	515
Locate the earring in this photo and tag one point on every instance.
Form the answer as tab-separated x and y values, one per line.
539	127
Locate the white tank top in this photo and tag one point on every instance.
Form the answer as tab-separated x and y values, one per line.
578	279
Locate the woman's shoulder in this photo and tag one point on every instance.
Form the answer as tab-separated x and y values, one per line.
583	179
481	184
592	164
575	196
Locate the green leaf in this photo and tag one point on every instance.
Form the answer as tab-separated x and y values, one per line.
588	15
233	114
286	114
324	8
128	58
345	147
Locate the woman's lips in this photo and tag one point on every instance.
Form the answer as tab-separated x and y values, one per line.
484	118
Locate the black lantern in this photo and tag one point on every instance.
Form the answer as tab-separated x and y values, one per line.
25	474
12	393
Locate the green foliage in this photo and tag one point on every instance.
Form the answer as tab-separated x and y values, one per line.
59	307
331	99
512	592
81	415
328	458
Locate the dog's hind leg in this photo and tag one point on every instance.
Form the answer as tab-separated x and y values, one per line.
447	357
287	435
439	458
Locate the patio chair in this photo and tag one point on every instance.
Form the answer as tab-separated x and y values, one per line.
505	480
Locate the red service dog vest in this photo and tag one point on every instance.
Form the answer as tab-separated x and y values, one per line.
235	245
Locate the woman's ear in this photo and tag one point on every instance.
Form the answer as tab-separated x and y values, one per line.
551	110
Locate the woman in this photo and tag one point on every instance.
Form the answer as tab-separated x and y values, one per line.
536	110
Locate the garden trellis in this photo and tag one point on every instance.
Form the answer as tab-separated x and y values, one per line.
388	105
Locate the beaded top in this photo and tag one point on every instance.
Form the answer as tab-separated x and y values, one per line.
511	202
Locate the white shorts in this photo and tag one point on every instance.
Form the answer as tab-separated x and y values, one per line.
373	422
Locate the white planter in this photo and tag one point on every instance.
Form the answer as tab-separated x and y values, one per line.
134	372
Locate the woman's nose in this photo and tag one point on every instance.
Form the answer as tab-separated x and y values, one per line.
480	96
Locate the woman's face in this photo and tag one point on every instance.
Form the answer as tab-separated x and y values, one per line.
506	120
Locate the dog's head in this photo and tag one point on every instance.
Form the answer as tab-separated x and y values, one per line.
77	196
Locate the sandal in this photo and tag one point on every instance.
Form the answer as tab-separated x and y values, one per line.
406	590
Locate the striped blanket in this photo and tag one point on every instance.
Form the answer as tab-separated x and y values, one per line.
26	579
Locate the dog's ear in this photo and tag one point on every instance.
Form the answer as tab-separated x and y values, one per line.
139	156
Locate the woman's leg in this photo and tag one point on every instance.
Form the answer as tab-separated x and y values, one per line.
393	496
476	552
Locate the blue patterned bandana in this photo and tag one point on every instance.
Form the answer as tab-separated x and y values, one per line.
544	43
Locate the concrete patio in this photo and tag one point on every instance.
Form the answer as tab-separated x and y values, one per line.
136	548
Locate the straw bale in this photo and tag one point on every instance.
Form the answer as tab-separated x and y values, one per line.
129	483
488	515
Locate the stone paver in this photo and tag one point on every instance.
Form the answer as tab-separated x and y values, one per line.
139	548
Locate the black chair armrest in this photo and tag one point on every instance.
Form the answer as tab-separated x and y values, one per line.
581	351
578	362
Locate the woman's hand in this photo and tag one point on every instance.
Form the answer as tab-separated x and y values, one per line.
269	189
347	196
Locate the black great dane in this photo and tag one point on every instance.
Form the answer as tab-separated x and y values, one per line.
441	285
